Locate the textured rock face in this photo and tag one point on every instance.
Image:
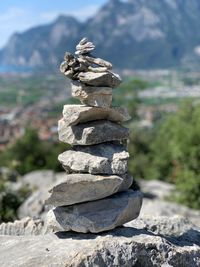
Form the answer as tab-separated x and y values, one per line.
26	226
155	195
143	242
91	133
92	96
77	188
75	114
96	216
107	79
107	158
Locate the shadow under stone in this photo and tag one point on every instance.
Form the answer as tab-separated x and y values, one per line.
189	238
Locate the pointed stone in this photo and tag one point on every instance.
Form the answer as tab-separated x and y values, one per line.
91	133
92	96
106	158
78	188
96	216
107	79
75	114
97	61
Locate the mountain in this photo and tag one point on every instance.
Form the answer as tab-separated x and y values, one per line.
133	34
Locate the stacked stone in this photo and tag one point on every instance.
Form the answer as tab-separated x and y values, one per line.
95	194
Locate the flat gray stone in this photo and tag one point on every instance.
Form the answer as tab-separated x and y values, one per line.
96	216
91	133
97	61
75	114
106	158
78	188
92	96
107	79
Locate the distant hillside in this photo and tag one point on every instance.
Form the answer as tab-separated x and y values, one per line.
134	34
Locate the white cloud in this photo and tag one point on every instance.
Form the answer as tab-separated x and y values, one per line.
17	19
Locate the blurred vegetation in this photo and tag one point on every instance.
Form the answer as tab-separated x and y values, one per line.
170	152
29	89
30	153
10	200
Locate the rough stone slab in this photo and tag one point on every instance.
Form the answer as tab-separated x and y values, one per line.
84	46
97	61
106	158
92	96
78	188
75	114
107	79
135	245
96	216
26	226
91	133
97	69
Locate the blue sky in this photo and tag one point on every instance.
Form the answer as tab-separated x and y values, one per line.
19	15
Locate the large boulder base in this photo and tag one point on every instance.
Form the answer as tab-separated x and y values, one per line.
91	133
107	158
96	216
75	114
78	188
165	241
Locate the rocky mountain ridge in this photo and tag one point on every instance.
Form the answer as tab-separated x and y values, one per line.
146	34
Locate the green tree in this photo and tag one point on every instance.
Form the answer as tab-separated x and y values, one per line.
175	153
30	153
139	149
10	200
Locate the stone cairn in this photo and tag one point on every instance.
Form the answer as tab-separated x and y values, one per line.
95	194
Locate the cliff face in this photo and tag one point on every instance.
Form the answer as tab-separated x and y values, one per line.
146	34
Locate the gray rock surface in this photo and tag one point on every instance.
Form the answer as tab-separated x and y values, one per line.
26	226
106	158
39	179
149	243
75	114
78	188
156	189
96	216
97	61
169	226
41	182
91	95
160	207
91	133
84	47
107	79
155	202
